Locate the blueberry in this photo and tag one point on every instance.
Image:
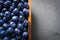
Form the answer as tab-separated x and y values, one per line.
3	10
25	11
22	1
18	37
7	4
1	15
20	26
16	11
11	8
21	18
21	13
24	29
1	28
16	1
12	24
20	6
24	35
5	25
15	18
17	31
7	14
1	22
2	33
13	39
25	22
13	4
0	7
5	19
26	4
10	30
1	2
6	38
12	14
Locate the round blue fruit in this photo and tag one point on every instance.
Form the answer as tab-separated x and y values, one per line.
25	22
17	31
16	1
1	14
21	18
7	14
22	1
15	18
21	13
6	38
7	4
1	28
1	2
25	11
26	5
5	19
18	37
13	4
24	35
12	14
20	26
0	7
11	8
13	24
3	10
20	6
1	22
16	11
9	30
13	39
2	33
5	25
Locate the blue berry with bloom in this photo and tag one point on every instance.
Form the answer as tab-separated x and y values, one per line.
5	25
10	30
1	22
15	18
20	26
16	11
7	4
17	31
18	37
13	24
24	34
13	39
3	10
25	23
25	11
1	28
26	5
6	38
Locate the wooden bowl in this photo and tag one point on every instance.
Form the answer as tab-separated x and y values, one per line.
29	21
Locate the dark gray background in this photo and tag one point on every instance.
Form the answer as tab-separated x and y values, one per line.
45	19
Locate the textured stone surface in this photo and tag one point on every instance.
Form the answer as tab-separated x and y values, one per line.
46	19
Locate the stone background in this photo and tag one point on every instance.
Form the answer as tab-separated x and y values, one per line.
45	19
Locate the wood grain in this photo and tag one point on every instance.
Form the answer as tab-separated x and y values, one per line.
29	21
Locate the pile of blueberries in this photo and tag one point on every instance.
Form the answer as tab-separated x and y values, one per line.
14	19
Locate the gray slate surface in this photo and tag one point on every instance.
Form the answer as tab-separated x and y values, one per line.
46	20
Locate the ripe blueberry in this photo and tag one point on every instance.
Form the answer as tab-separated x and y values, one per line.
25	11
16	11
6	38
12	24
17	31
5	25
24	35
15	18
20	26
